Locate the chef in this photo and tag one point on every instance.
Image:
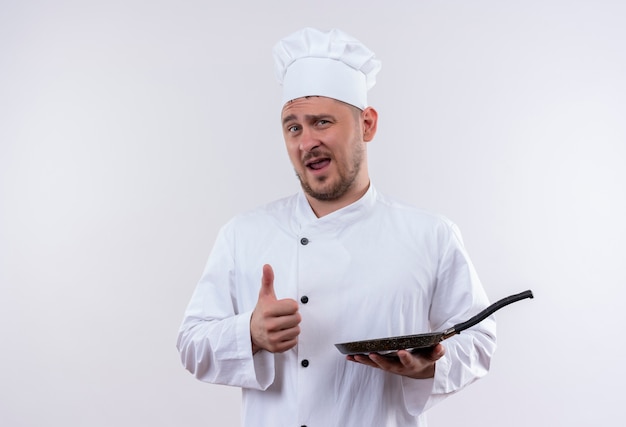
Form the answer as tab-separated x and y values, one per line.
336	262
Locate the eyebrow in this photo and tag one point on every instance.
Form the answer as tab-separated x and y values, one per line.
289	118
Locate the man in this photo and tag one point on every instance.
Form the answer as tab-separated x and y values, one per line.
337	262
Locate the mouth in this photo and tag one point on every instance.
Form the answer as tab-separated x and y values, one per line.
317	164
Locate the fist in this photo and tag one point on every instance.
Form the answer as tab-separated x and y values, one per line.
274	323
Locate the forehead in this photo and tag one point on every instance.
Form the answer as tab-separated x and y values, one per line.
314	105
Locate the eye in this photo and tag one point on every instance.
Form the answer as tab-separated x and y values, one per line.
293	128
323	122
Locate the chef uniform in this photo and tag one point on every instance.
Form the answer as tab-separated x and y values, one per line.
375	268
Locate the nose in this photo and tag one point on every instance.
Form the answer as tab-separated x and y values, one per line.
308	141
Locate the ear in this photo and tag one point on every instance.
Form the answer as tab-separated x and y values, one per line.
369	118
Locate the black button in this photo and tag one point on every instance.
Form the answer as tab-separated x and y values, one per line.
305	363
304	299
304	241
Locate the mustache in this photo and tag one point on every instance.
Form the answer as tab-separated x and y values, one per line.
316	154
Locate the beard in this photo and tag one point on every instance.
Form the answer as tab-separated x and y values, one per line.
347	174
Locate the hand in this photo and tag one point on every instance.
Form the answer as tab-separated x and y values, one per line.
274	323
418	365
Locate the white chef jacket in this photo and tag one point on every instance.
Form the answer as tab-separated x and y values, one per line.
376	268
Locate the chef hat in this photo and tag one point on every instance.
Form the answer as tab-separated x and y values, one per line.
310	62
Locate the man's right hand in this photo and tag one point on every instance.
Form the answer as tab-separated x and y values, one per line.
274	323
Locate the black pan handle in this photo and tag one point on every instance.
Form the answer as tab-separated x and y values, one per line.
491	309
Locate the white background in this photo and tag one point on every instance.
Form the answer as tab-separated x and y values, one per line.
130	131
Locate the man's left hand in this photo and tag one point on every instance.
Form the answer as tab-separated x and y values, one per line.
418	365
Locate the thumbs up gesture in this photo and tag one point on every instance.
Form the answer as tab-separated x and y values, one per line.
274	323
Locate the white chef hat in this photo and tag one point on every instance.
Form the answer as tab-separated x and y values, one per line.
311	62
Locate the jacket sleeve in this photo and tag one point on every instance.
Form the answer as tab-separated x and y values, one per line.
458	295
214	338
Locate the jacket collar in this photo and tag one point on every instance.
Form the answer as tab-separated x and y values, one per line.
305	217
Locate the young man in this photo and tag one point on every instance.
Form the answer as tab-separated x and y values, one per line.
337	262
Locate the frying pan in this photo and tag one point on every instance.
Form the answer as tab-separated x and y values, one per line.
424	342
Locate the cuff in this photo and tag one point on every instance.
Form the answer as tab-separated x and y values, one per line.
261	363
420	395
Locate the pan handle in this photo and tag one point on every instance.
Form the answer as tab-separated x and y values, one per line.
491	309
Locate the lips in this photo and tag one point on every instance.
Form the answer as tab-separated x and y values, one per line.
317	164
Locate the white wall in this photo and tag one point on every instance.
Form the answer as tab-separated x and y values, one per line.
131	130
